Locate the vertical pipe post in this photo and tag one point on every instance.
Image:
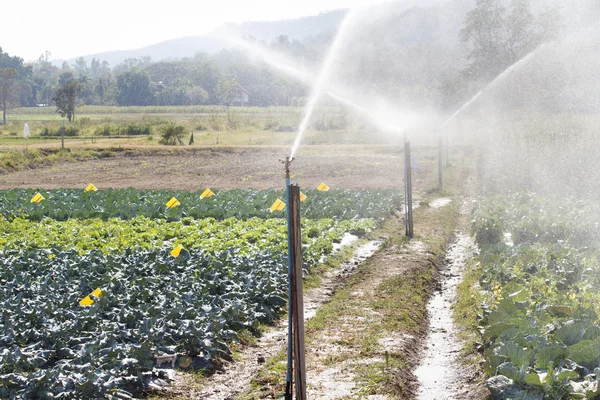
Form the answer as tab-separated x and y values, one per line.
288	378
405	188
410	191
408	207
447	144
440	161
297	295
62	135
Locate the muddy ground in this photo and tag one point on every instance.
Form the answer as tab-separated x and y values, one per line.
351	167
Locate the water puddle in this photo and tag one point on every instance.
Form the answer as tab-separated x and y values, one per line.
440	374
439	203
347	239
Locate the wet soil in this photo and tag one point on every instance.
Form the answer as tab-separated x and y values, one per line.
441	374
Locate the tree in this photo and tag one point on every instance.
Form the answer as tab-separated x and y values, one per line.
501	36
225	92
133	88
8	80
12	71
66	98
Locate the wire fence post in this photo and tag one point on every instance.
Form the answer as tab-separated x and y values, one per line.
62	135
447	144
297	295
408	207
440	161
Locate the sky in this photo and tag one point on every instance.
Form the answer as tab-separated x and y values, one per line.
69	28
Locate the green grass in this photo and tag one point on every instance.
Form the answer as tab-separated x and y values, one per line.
467	308
17	160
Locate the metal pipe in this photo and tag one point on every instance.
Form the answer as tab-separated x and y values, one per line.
406	166
440	161
288	378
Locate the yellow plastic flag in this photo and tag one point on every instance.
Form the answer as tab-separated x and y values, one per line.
207	193
175	252
37	198
277	206
91	188
323	187
173	203
87	301
302	196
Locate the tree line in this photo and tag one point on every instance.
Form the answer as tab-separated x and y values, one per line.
494	35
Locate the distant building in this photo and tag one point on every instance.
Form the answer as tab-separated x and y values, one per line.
240	95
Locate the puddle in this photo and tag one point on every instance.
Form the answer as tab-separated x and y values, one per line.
439	203
347	239
439	374
508	239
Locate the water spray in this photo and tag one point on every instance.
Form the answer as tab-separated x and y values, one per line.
323	76
467	104
334	91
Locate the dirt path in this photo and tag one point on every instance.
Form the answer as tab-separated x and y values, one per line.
365	167
236	378
364	343
441	374
336	370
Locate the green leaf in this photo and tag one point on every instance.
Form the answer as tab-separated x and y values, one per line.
533	379
586	353
548	356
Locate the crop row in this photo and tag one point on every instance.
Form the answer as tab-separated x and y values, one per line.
115	235
529	218
539	287
153	304
63	204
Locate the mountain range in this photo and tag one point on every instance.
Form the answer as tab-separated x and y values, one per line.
302	29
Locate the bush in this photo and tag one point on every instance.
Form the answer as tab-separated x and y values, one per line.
69	131
104	130
170	134
84	122
136	128
488	231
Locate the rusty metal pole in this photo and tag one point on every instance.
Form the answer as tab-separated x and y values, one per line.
288	379
297	295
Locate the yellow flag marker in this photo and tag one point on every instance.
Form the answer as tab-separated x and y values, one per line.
302	196
37	198
87	301
173	203
277	206
323	187
207	193
91	188
175	252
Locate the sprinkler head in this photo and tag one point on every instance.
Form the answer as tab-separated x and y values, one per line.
287	163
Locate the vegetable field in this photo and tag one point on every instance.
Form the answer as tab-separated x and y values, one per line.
92	292
539	297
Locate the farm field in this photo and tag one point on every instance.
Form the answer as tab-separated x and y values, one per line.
146	301
349	167
533	289
440	159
